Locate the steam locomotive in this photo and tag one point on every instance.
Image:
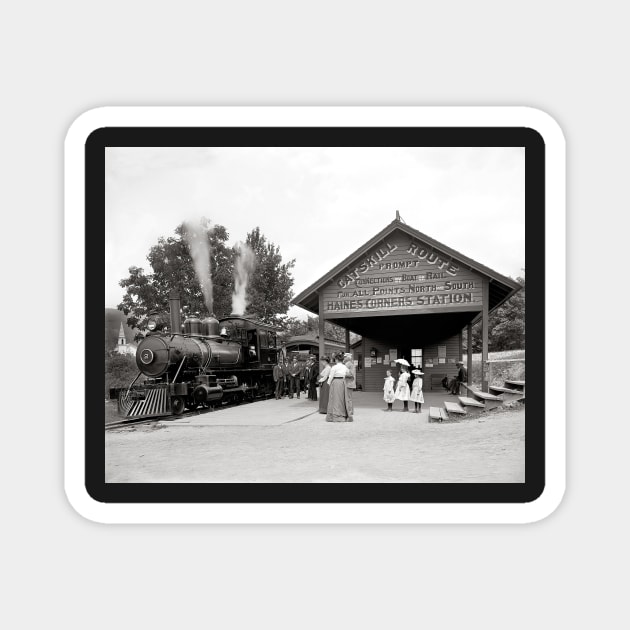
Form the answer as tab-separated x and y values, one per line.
200	364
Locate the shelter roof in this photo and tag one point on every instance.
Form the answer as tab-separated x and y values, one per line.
313	337
501	287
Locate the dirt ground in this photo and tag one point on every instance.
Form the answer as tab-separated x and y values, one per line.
376	447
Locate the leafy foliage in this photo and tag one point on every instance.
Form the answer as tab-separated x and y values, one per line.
506	325
120	370
269	291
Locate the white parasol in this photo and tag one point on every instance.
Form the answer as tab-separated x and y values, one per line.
402	362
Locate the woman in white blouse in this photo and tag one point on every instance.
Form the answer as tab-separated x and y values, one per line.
337	406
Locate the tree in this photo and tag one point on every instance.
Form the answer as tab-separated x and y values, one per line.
508	328
120	370
269	292
291	327
172	268
506	325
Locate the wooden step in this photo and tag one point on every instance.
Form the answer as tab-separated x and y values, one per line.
434	414
496	388
453	407
443	414
484	395
489	401
470	402
507	394
520	384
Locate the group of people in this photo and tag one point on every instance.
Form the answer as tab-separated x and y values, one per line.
294	377
400	390
336	379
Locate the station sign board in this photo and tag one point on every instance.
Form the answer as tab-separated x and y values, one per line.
403	274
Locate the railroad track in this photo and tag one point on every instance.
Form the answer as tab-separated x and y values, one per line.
130	422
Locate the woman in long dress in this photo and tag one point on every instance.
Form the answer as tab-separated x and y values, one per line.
402	389
388	390
323	384
416	391
337	407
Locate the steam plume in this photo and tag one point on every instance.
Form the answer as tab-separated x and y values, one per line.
243	267
196	235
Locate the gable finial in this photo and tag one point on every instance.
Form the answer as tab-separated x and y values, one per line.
397	215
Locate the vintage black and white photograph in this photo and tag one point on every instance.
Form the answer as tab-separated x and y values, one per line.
306	314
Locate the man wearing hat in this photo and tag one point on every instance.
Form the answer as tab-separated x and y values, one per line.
307	375
278	378
351	383
287	377
296	372
462	377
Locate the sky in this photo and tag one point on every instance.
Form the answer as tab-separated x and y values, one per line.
318	204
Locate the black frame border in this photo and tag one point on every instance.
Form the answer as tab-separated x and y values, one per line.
352	493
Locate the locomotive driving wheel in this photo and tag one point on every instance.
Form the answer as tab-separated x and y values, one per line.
177	404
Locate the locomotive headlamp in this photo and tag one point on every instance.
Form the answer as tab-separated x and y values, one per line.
152	325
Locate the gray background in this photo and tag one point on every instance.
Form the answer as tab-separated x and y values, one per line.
60	59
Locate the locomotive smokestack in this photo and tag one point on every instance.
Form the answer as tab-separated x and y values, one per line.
176	322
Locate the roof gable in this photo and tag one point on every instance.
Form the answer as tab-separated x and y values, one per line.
421	251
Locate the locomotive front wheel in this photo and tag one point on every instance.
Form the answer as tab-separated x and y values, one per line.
177	404
192	405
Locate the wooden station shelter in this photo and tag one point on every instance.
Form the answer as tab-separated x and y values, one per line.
409	297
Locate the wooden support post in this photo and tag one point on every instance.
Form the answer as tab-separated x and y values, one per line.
347	340
484	336
469	352
322	326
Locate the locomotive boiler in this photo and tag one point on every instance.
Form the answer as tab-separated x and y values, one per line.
201	363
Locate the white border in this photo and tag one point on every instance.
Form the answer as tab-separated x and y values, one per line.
555	250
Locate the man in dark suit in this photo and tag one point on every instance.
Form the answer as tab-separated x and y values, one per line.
295	374
462	377
307	376
278	379
287	376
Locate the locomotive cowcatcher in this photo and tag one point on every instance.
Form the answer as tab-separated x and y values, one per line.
205	363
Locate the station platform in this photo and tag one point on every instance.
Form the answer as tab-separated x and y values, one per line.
274	412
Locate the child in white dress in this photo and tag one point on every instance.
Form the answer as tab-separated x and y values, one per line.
388	390
402	388
416	391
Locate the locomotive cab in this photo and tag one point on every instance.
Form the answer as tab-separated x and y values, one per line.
258	340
